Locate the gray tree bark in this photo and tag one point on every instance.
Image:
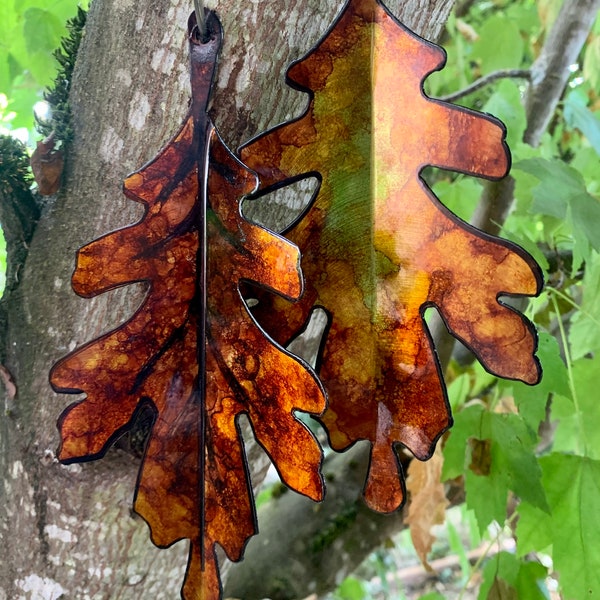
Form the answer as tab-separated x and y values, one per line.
68	532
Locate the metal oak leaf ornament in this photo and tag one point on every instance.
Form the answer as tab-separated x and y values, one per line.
379	248
192	351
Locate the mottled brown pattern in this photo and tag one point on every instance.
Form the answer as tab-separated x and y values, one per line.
378	247
192	351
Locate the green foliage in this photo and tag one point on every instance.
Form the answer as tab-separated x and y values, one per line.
30	31
579	116
572	485
584	333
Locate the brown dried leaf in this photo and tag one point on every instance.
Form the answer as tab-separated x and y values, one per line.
481	456
501	590
428	502
47	165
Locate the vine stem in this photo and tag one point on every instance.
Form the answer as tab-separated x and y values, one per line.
574	304
567	351
485	553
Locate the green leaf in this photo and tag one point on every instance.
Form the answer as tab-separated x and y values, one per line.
513	457
506	577
534	529
573	489
558	183
584	333
42	30
498	32
577	432
9	18
579	116
585	160
5	79
591	62
351	589
562	193
525	15
486	497
461	196
466	423
458	391
532	400
505	104
585	213
567	433
511	463
530	583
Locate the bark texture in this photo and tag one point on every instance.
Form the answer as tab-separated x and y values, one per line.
68	531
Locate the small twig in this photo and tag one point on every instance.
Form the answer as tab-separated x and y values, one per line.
486	80
416	575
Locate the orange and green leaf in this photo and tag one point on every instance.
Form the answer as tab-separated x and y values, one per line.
192	351
378	248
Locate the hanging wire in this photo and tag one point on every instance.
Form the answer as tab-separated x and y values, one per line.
200	20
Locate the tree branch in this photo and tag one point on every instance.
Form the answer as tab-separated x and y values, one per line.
486	80
550	72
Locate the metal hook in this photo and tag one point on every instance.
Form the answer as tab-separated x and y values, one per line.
200	20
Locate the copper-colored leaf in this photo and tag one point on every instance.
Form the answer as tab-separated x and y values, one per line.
192	351
378	247
47	164
428	502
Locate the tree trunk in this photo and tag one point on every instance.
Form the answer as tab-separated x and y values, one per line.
68	531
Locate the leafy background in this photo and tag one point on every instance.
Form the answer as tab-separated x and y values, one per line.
527	459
